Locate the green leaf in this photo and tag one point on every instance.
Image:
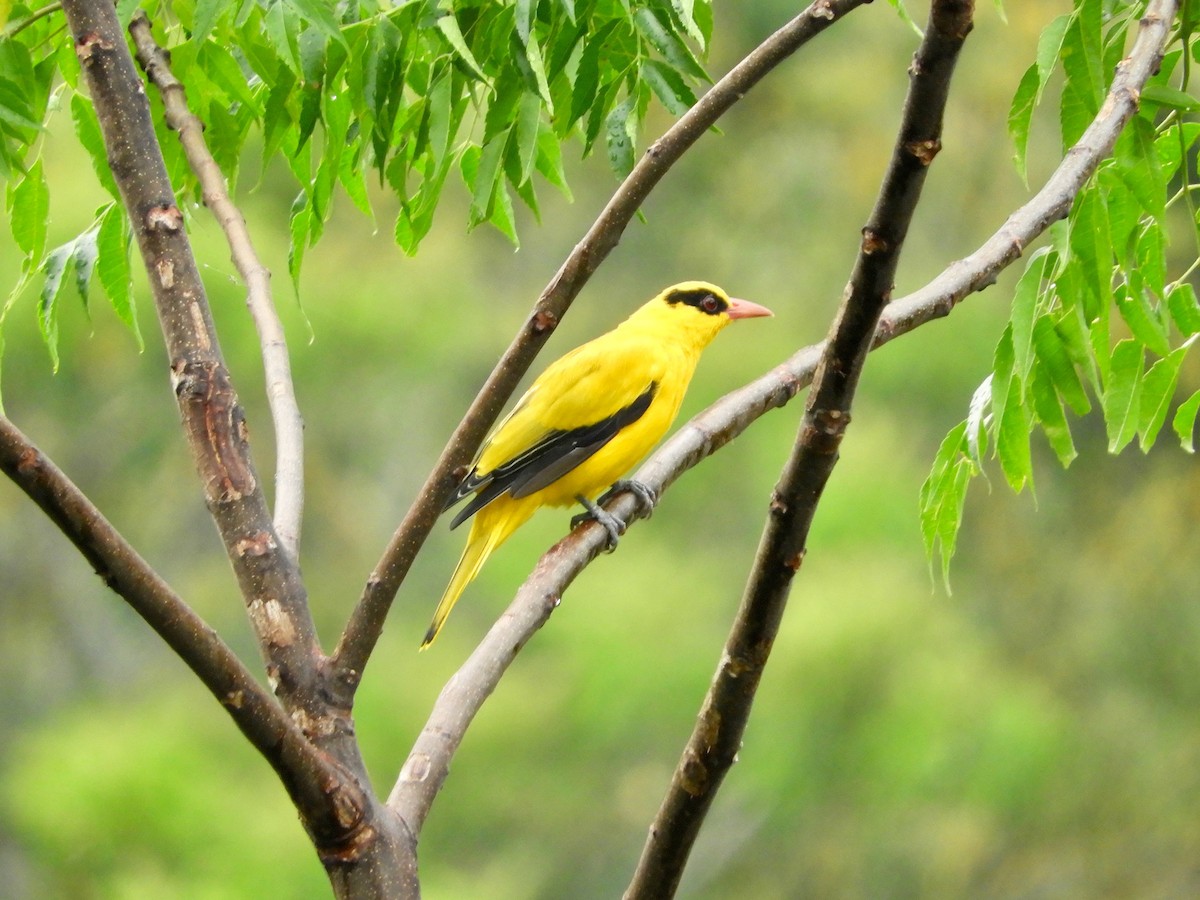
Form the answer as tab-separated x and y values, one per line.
526	11
1012	438
1050	48
112	266
1092	249
219	64
670	88
502	217
1020	115
55	268
1049	411
942	498
1171	98
533	58
300	224
277	117
83	259
1158	389
549	162
448	25
1137	161
205	16
1082	60
977	418
685	11
281	27
1056	363
1024	308
1184	308
621	136
319	16
87	129
1010	418
14	110
1141	317
442	124
528	128
1151	268
29	212
1124	214
587	75
1122	393
1184	422
666	42
486	175
352	175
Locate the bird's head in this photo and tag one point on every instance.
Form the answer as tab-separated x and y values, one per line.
698	310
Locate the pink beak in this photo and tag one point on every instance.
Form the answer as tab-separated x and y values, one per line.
744	309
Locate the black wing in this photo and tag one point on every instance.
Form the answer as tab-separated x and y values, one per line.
546	461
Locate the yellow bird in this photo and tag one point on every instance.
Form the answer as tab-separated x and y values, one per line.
585	422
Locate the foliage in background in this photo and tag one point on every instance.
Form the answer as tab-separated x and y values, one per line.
403	94
1105	307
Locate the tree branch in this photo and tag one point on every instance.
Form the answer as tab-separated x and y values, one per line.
366	623
717	736
316	784
213	420
281	394
426	768
365	849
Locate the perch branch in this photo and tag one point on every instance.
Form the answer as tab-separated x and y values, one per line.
366	622
428	764
310	777
281	394
717	735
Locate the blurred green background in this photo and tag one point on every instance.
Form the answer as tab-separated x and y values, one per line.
1032	734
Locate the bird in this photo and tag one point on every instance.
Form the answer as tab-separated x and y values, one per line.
586	421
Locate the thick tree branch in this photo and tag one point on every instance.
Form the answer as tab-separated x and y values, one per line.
366	849
317	786
281	394
213	419
366	622
717	736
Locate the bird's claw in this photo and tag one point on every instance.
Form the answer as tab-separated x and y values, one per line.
646	496
611	524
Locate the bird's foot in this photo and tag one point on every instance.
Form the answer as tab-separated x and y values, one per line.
614	526
647	497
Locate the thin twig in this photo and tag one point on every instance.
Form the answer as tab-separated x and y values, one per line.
281	393
305	771
366	622
428	764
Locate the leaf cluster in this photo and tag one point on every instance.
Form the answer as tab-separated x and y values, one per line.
1103	311
350	94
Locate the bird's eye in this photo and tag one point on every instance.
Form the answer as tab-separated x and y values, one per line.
710	304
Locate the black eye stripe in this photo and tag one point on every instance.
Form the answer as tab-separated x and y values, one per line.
705	301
